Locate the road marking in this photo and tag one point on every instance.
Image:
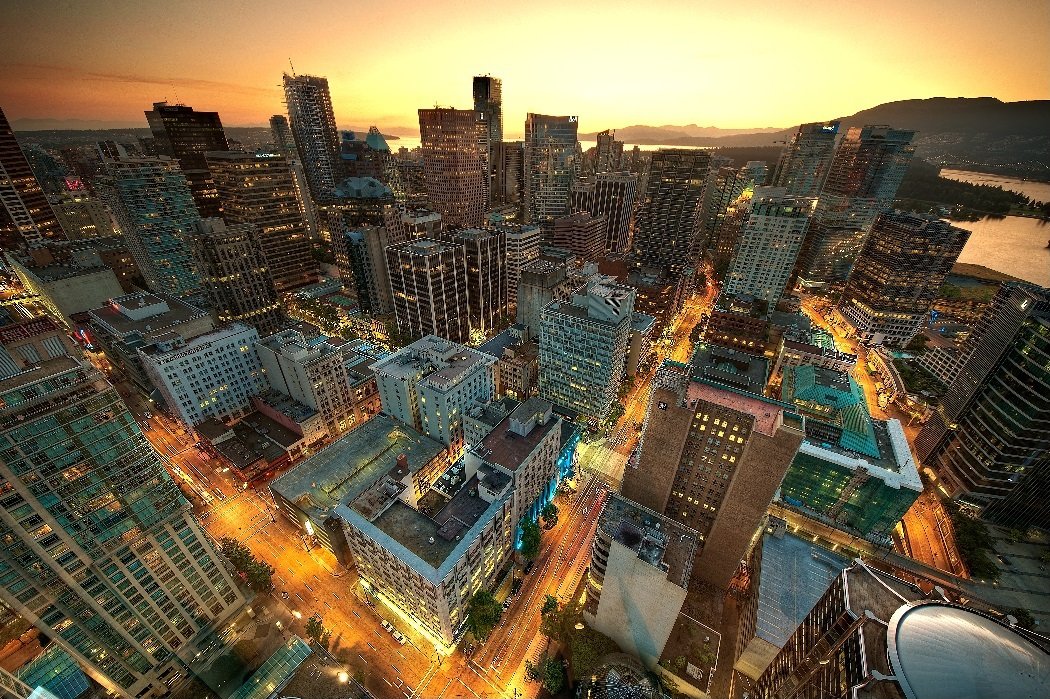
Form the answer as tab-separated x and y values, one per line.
395	668
362	657
355	613
369	644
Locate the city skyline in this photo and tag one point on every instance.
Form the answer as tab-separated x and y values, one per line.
238	73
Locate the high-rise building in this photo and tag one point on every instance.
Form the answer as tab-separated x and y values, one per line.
213	375
235	275
804	162
428	283
367	155
313	127
403	223
152	200
550	165
613	197
898	274
584	345
668	214
283	141
81	215
523	246
725	186
185	134
430	384
488	100
486	268
508	172
100	550
873	635
609	155
768	245
988	439
314	373
542	281
260	189
581	233
455	149
31	219
711	458
865	174
27	343
366	260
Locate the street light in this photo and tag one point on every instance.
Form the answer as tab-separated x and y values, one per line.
343	677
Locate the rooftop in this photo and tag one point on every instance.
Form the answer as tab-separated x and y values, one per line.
659	541
895	464
39	372
144	313
493	413
834	398
440	364
362	188
508	338
286	405
15	332
346	468
767	413
511	442
741	370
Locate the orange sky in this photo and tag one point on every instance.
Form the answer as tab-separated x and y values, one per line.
729	64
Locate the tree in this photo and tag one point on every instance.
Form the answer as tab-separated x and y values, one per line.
1014	536
483	614
548	672
550	604
530	538
255	574
315	628
549	515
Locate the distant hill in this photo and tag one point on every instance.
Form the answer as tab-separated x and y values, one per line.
644	134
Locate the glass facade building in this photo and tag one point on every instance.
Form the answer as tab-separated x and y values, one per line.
550	166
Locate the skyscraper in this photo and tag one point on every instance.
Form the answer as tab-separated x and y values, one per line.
988	440
152	200
313	127
100	550
523	246
31	219
182	133
486	269
488	100
508	187
711	458
366	257
235	275
428	282
550	165
613	198
898	274
609	155
283	141
583	347
865	174
768	245
581	233
668	214
726	185
804	162
260	189
455	150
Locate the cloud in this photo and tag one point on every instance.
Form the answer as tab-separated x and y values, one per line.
211	85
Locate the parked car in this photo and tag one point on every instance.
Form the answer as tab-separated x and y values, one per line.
398	637
387	625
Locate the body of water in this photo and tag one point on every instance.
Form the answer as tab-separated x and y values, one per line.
413	142
1014	245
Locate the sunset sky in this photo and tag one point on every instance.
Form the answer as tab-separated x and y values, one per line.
730	64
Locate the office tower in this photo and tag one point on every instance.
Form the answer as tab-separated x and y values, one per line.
768	245
81	215
358	201
213	375
182	133
454	143
486	269
508	172
152	201
668	214
804	162
283	141
581	233
864	177
313	372
403	223
31	219
613	197
988	440
100	550
581	196
370	157
711	458
897	276
367	267
583	347
725	186
430	384
428	282
874	635
641	562
609	154
550	165
130	322
259	189
542	281
488	100
523	246
312	123
235	275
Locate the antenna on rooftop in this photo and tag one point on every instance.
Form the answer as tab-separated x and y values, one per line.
291	66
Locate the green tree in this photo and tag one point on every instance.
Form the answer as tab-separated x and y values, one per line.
549	515
483	614
550	604
315	628
253	572
1014	536
530	538
548	672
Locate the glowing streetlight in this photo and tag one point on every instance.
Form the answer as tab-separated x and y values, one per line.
343	677
297	614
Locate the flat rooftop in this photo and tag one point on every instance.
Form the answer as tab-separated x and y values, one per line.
766	412
505	447
15	332
346	468
177	312
440	362
659	541
286	405
38	372
740	370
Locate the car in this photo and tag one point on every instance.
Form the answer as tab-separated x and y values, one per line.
528	567
399	637
506	603
387	625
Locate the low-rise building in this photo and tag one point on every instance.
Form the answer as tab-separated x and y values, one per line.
737	369
68	290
